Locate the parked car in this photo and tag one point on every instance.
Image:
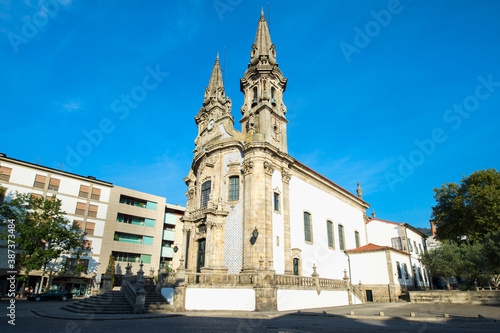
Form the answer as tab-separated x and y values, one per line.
51	295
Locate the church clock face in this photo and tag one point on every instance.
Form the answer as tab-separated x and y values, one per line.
210	124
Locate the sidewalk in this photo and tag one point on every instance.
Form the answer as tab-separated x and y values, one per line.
422	312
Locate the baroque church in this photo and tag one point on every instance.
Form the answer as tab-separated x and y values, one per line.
261	230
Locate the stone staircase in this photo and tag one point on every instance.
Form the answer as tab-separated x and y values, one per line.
155	302
113	302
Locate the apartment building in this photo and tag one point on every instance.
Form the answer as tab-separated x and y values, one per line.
140	227
133	225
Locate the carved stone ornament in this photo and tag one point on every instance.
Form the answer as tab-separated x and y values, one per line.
247	167
276	129
268	168
285	176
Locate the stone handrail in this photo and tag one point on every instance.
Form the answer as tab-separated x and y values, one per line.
129	292
220	279
306	281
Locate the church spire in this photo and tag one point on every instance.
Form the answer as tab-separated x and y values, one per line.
215	87
262	49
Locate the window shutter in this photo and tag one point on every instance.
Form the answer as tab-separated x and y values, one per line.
5	173
93	211
54	184
87	245
40	181
80	208
89	228
96	193
78	224
84	191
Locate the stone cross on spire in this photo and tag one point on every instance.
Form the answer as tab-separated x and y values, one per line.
263	50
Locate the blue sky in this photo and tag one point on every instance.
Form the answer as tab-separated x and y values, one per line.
401	96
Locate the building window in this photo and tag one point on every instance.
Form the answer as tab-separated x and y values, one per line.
40	181
89	228
329	232
54	184
307	227
78	224
396	243
96	194
295	266
420	247
254	100
356	238
341	237
84	191
126	257
80	208
87	245
92	211
5	174
136	202
415	246
399	269
205	193
420	274
410	247
276	202
407	276
234	188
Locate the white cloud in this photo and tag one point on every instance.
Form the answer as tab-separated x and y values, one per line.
70	106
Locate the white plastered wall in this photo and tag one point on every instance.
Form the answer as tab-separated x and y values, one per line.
220	299
308	299
322	206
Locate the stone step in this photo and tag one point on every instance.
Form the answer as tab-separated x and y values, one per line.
97	311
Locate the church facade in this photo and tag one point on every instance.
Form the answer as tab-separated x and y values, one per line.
262	231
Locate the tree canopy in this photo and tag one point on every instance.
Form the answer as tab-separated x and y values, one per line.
470	209
43	233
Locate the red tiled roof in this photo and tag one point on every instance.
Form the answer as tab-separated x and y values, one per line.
374	219
373	247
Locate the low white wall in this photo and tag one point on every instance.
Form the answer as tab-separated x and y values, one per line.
308	299
168	294
220	299
355	300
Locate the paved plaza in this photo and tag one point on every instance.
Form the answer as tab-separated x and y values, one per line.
49	317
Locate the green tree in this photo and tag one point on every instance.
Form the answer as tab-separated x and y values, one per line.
443	262
470	209
112	270
43	233
491	258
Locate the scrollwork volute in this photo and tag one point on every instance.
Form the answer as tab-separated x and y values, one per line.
247	167
285	176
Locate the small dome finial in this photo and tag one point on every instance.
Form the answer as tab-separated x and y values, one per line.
373	213
262	12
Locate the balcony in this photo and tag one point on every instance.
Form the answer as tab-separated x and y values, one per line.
168	235
167	252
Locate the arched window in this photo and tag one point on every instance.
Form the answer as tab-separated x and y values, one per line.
341	237
273	93
356	237
307	227
295	266
234	188
254	100
205	193
329	232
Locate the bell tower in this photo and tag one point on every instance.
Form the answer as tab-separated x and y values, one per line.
263	111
